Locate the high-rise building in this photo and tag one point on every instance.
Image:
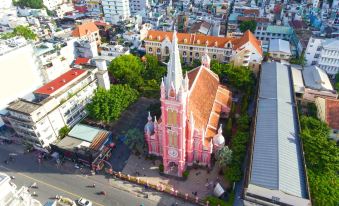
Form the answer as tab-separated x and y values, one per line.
188	131
137	6
116	10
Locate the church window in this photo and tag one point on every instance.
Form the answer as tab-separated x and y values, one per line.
214	56
166	50
172	117
154	146
150	49
172	139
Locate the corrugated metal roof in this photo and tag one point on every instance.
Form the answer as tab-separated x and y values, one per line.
277	160
84	132
279	29
279	45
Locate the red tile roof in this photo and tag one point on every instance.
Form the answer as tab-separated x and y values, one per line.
84	29
251	11
81	60
203	40
257	19
204	85
59	82
332	113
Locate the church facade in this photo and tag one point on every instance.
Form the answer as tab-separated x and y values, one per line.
188	131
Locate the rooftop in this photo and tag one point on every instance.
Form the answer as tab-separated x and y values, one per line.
316	78
332	113
60	82
84	29
277	159
279	45
84	132
279	29
23	106
206	40
331	44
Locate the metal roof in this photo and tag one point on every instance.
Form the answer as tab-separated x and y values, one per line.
316	78
279	29
84	132
277	161
279	45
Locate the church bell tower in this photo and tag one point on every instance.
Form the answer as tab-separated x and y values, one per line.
174	94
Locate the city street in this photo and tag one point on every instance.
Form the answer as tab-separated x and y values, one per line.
54	181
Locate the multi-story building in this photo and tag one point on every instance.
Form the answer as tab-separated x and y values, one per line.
189	130
112	51
137	6
52	4
323	53
86	49
244	51
116	10
12	196
87	31
20	74
56	104
279	49
94	8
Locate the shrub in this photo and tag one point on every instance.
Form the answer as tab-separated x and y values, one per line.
161	168
185	174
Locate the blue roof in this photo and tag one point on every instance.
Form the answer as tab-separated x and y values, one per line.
84	132
279	29
277	161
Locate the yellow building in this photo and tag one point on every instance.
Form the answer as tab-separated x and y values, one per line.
242	51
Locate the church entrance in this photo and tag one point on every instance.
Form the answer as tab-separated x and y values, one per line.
173	169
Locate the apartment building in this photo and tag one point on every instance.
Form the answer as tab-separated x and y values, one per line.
324	53
11	195
113	51
94	8
242	51
20	74
116	10
137	6
56	104
52	4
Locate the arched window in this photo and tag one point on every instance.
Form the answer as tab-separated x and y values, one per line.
214	56
150	49
158	50
228	45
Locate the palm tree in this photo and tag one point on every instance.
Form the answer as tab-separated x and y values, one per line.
224	156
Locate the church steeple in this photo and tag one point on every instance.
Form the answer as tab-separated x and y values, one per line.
174	72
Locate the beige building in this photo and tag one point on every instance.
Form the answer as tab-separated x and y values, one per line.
328	111
242	51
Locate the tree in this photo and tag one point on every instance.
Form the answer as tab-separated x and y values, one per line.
64	131
240	77
243	123
128	69
228	128
216	67
233	173
224	156
248	25
23	31
337	82
135	140
300	60
153	70
34	4
108	105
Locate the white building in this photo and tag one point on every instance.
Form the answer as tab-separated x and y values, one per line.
58	103
52	4
116	10
324	53
279	49
11	196
137	6
20	74
113	51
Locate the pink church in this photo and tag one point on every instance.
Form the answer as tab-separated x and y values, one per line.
187	132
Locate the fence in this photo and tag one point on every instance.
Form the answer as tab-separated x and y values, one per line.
158	187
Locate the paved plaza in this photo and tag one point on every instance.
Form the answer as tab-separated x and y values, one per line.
198	180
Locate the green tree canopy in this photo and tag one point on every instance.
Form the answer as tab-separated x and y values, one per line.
322	161
135	139
248	25
23	31
128	69
337	82
64	131
108	105
153	70
224	156
34	4
240	77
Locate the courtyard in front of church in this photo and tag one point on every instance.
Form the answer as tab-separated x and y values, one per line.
199	181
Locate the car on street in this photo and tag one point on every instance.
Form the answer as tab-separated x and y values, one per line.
84	202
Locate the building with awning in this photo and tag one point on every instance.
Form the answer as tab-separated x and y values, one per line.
85	144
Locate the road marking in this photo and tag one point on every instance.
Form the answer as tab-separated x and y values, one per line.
45	183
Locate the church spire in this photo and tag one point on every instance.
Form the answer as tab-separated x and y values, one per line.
174	71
